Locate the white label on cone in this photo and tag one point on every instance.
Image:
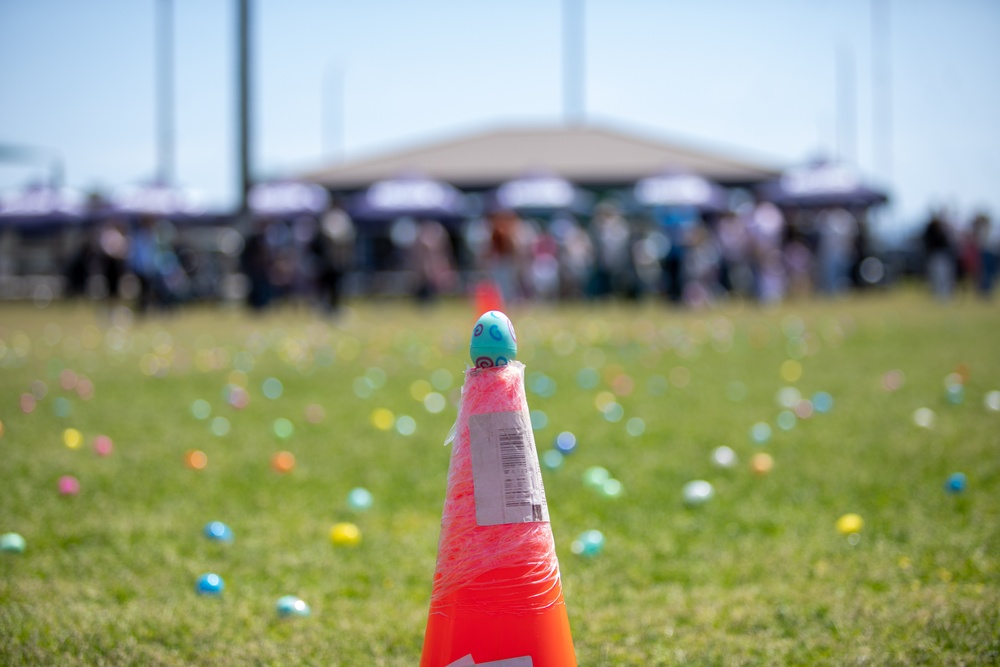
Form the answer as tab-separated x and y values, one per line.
505	471
467	661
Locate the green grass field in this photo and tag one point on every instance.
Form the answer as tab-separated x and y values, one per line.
757	575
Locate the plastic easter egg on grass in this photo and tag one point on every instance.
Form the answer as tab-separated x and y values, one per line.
611	488
697	492
72	438
596	476
590	543
315	413
956	483
218	531
761	463
289	606
103	445
760	433
552	459
822	402
724	457
69	485
210	584
283	462
62	408
12	543
924	418
360	499
345	535
283	428
566	442
493	341
850	524
195	459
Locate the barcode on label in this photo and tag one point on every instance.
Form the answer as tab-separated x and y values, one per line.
505	471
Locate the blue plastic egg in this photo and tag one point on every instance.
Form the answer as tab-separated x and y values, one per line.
956	483
566	442
216	530
210	584
493	342
822	401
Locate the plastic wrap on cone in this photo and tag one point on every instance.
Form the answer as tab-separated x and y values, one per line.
497	593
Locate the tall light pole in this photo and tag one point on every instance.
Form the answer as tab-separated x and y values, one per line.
165	92
574	78
243	57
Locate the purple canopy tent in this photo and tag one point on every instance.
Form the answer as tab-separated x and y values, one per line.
681	190
41	209
541	194
40	221
820	185
408	196
157	200
288	198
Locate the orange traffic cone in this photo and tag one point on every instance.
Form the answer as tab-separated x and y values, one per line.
497	595
487	297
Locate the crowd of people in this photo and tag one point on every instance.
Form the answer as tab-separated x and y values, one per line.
955	254
757	251
682	255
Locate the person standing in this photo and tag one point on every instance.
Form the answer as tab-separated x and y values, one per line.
502	254
333	248
838	232
613	273
256	264
767	232
986	247
432	261
939	255
144	262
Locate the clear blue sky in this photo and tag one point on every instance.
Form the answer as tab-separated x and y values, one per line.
756	79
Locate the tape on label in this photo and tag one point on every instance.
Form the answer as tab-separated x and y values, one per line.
505	470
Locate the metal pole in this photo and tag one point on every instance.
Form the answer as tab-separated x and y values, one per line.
165	90
243	32
574	104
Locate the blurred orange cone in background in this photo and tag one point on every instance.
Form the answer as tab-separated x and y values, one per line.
486	297
497	597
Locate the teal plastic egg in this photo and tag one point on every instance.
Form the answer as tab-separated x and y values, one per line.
590	543
289	605
493	342
360	499
12	543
